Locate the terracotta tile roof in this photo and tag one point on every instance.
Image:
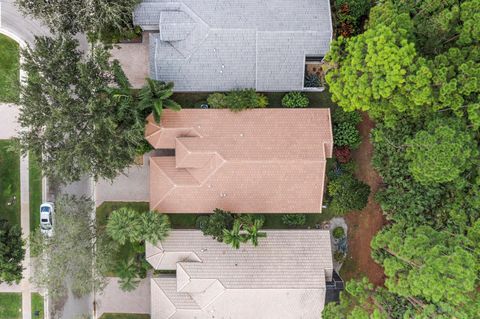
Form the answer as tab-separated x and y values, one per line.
270	160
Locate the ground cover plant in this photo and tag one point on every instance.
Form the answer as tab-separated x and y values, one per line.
295	99
238	100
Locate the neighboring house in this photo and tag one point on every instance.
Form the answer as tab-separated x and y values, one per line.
255	161
285	277
220	45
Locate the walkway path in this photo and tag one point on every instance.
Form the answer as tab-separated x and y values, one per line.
8	129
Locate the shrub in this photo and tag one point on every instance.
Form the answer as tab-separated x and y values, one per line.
238	100
347	194
312	81
201	222
342	154
338	232
295	99
217	222
294	219
217	101
345	132
339	256
249	219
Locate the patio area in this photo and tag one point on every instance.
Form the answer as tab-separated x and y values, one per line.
134	60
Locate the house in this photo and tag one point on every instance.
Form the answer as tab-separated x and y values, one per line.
285	277
255	161
220	45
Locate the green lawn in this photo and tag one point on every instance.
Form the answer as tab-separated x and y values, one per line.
37	305
10	305
9	183
35	180
124	316
9	70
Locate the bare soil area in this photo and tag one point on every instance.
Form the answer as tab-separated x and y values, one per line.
365	224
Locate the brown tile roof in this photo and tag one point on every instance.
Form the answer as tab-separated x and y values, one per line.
270	160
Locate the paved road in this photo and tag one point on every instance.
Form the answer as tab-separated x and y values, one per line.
12	21
24	29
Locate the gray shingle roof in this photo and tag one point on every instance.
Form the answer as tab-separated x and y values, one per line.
222	44
284	277
285	259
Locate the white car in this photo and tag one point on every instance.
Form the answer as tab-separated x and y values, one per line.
46	218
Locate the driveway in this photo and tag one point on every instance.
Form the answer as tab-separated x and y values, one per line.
133	186
114	300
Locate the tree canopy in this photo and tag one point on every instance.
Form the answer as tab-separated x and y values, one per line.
441	152
78	112
80	16
77	254
12	252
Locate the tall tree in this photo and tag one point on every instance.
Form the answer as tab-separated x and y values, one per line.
72	117
12	252
155	95
84	16
76	255
426	266
379	72
441	152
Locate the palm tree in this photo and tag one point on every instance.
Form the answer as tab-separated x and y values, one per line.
155	95
233	237
254	232
124	225
128	272
155	226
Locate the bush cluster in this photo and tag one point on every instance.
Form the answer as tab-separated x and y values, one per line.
349	14
238	100
338	232
346	192
295	99
294	219
345	132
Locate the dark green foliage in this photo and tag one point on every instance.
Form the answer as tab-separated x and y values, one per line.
95	17
294	219
155	96
217	222
217	101
81	116
127	225
12	252
128	273
345	131
238	100
347	194
349	14
295	99
311	81
338	232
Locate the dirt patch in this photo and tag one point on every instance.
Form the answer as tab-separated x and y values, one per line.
365	224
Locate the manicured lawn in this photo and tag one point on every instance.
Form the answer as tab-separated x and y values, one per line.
35	188
10	305
37	305
9	183
124	316
9	70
